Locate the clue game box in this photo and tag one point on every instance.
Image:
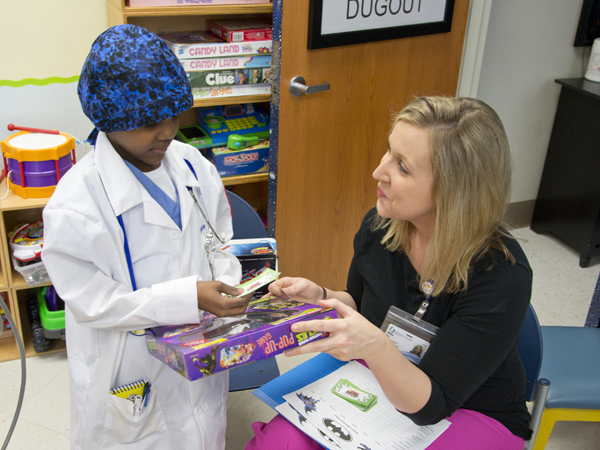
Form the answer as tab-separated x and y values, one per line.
221	343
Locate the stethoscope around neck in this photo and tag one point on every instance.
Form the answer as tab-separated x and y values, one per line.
209	239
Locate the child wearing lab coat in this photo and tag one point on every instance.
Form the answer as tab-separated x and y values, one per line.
132	234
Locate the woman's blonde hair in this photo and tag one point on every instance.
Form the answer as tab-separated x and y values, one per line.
471	164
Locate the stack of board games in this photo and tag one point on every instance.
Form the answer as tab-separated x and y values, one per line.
222	343
217	68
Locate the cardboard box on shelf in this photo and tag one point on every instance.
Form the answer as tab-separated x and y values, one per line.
202	44
241	30
239	162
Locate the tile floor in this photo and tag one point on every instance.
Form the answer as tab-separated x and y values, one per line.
561	295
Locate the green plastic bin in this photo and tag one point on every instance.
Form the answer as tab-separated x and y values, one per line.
53	322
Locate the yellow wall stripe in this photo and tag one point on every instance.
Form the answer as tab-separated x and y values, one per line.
39	82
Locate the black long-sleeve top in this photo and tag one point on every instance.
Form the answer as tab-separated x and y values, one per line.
473	362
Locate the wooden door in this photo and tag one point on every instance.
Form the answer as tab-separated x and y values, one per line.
330	142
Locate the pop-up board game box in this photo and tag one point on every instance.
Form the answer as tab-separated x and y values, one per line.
221	343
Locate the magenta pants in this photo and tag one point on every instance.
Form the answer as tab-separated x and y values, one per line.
470	430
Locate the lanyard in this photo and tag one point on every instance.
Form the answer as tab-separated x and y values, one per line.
427	288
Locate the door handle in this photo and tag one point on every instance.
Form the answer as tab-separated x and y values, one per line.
298	87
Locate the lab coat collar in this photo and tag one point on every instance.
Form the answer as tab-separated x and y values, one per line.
183	178
124	191
122	188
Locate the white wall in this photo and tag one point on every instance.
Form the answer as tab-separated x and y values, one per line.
45	43
529	44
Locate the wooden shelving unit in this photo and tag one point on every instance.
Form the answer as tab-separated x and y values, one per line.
119	9
15	210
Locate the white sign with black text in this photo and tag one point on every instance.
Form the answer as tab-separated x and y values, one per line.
341	16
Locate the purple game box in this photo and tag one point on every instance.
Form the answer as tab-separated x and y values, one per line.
222	343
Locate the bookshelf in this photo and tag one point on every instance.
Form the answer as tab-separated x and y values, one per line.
254	188
15	210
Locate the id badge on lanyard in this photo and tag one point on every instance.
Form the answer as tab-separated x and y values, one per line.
410	334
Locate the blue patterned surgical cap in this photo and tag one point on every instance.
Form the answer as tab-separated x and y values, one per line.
131	79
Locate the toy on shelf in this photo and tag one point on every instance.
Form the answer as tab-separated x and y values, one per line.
219	122
36	160
40	342
26	244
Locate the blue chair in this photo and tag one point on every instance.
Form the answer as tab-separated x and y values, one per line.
572	364
531	349
247	224
567	382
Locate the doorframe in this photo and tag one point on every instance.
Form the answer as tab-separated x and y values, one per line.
274	118
474	46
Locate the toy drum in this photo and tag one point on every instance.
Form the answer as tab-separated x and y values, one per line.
37	161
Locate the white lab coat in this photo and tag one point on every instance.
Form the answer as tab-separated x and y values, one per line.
84	255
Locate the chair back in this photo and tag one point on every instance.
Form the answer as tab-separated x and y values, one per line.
247	224
530	348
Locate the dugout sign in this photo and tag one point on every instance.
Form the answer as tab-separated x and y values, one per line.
334	23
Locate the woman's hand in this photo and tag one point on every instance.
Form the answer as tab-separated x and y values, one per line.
214	297
351	336
299	288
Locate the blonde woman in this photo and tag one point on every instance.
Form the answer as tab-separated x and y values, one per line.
436	235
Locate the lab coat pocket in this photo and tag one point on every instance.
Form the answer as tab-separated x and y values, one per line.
123	426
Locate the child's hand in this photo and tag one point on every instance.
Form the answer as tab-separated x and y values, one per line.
214	297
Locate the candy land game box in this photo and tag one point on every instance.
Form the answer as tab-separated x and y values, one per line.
222	343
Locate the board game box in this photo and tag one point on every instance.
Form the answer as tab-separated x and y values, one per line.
222	343
241	30
226	63
239	162
255	255
202	44
230	91
227	77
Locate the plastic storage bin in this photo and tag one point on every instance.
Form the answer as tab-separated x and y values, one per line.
26	245
53	322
